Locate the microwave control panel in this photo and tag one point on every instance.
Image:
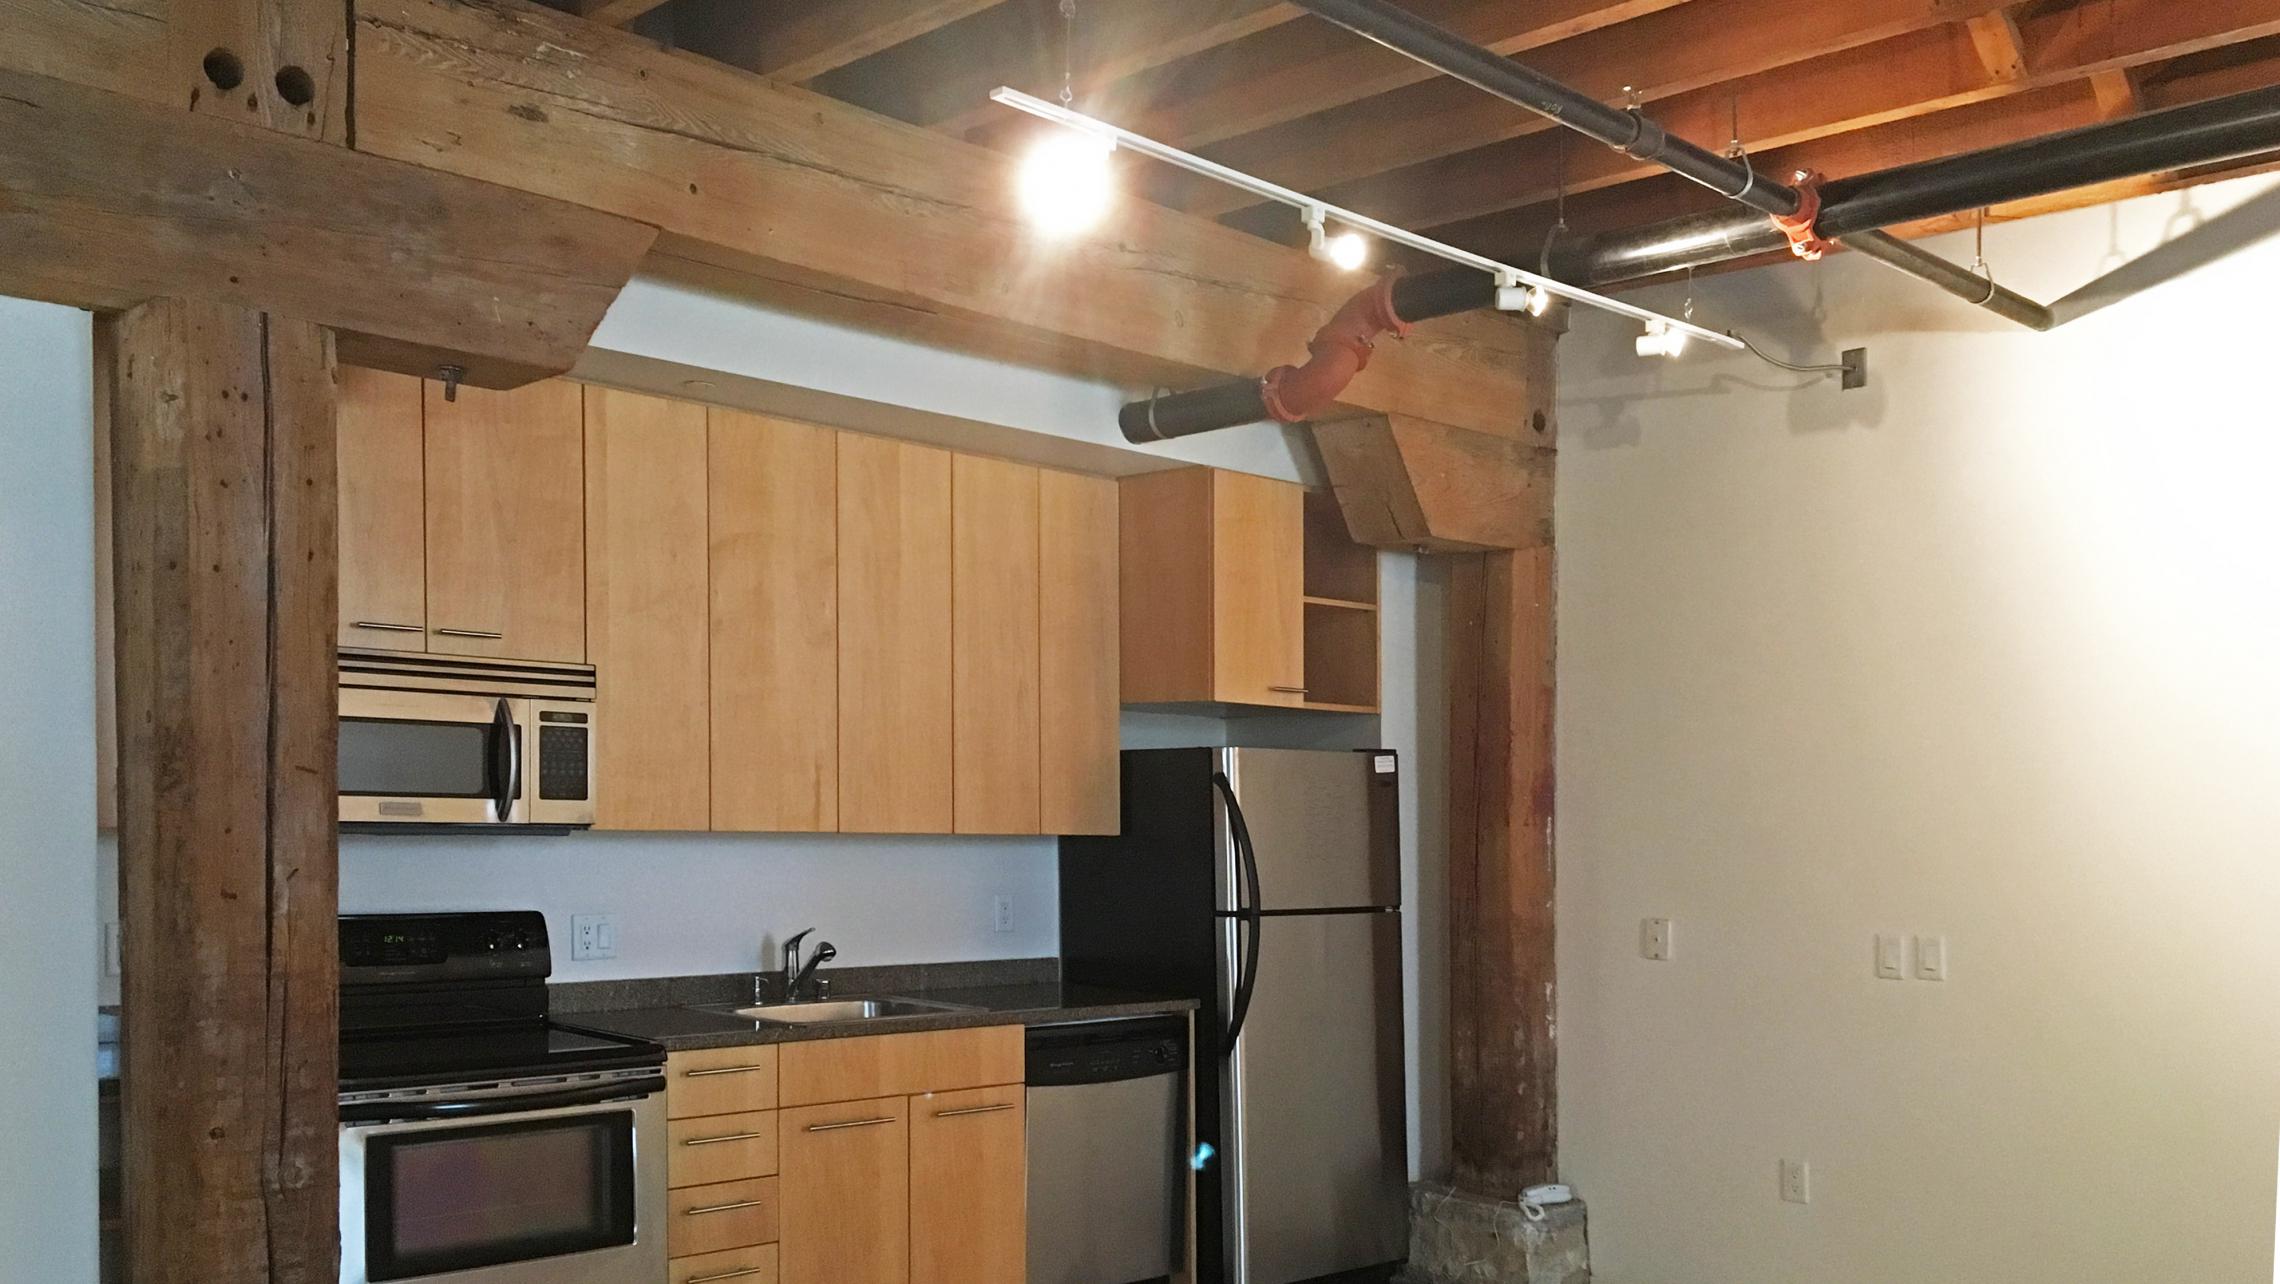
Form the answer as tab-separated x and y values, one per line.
564	750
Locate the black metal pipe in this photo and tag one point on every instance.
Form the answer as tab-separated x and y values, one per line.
1969	286
1184	414
2208	133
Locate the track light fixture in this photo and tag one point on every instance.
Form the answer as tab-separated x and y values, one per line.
1346	251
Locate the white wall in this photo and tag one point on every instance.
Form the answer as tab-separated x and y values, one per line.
1985	651
48	954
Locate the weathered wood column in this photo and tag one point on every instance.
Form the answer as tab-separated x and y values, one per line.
224	579
1502	1062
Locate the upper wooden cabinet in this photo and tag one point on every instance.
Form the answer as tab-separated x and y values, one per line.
647	594
1077	654
775	623
1243	590
506	522
993	646
894	637
383	502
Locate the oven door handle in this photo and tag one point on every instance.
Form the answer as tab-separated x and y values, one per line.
590	1094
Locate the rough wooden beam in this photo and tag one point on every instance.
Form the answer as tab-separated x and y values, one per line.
616	13
1995	36
2117	93
106	201
821	205
1503	1056
279	63
1702	43
796	40
119	45
1409	484
222	450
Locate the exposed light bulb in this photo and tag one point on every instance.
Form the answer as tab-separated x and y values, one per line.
1066	182
1539	301
1347	251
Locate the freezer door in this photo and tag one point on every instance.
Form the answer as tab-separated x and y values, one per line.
1325	823
1313	1105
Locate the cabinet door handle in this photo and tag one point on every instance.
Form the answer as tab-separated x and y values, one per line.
472	633
386	627
973	1110
1284	690
700	1074
714	1141
852	1123
727	1208
737	1274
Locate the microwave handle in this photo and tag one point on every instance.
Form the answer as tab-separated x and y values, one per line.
507	759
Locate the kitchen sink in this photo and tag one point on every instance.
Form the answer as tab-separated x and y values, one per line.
841	1010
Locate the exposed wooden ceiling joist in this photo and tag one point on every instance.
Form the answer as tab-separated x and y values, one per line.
1671	52
613	13
798	40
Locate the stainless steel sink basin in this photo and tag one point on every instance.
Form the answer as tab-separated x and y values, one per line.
841	1010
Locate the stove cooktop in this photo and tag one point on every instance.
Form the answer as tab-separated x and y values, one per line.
402	1058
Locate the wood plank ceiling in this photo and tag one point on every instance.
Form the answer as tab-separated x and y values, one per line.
1843	88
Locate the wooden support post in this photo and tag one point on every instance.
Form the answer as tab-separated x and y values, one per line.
225	579
1502	1061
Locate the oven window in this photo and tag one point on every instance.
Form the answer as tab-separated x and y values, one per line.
400	758
454	1199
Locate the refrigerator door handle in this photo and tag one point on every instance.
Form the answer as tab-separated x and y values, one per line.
1247	980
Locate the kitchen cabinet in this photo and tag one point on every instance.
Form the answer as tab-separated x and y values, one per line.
775	623
969	1186
895	740
383	505
647	595
1243	590
994	646
505	522
846	1186
1077	734
725	1198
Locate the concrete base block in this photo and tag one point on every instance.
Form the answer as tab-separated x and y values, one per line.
1460	1238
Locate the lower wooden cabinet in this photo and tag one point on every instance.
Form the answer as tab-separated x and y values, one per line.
753	1265
846	1183
969	1194
721	1216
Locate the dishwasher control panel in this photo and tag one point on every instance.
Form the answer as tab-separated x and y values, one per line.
1106	1051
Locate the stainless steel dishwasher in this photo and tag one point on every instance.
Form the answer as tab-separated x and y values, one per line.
1107	1135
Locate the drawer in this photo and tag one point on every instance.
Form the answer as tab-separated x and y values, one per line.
724	1215
755	1264
900	1065
720	1081
710	1148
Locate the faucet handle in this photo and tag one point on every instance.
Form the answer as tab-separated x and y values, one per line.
792	946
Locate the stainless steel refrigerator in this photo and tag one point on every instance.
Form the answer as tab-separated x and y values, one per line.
1266	884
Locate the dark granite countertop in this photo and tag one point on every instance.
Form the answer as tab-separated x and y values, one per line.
683	1029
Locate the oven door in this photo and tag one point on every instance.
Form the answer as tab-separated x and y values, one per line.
431	758
510	1192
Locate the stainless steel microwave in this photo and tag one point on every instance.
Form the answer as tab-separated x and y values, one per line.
453	742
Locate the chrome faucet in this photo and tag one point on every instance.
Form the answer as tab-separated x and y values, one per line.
798	980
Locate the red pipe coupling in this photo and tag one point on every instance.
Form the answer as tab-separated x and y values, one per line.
1339	351
1804	240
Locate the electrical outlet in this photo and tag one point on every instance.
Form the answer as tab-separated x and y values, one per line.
1931	958
1001	914
1655	939
593	936
1891	957
1796	1181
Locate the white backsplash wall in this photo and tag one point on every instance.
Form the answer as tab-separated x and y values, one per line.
696	903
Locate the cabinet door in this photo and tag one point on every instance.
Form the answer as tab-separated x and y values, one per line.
775	624
1258	587
646	596
845	1193
969	1189
894	637
383	540
993	599
506	501
1077	654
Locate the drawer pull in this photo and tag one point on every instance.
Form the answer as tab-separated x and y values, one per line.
1289	690
728	1208
973	1110
736	1274
714	1141
386	627
472	633
700	1074
852	1123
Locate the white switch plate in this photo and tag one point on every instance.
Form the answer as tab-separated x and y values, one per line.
1931	958
1001	914
1796	1181
1655	939
593	936
1892	957
111	948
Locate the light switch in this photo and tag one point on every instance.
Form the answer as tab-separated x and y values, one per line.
1655	939
1931	958
1891	957
1796	1181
